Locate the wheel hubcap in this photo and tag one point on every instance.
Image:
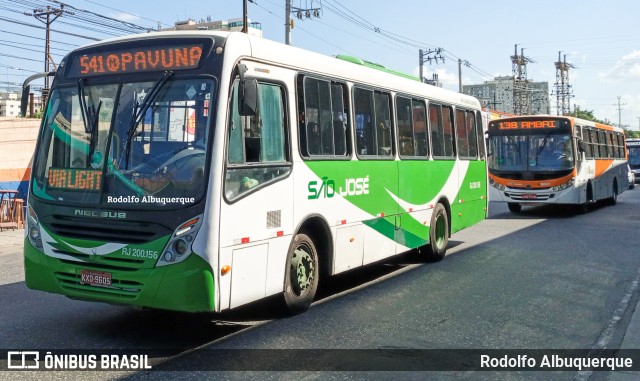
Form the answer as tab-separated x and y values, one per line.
302	270
440	231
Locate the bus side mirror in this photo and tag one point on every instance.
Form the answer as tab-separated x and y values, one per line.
247	93
582	146
24	101
248	97
26	89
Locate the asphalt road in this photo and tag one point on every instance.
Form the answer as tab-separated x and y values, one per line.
545	278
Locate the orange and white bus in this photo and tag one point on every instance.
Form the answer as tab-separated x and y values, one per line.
555	159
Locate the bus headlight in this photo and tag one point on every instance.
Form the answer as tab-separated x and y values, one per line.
33	229
496	185
564	186
179	246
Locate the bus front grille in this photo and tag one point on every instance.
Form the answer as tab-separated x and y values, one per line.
130	232
529	196
104	262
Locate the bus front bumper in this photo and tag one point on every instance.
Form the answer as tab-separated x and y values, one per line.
186	286
537	196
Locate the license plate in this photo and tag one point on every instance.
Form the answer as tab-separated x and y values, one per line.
529	197
95	278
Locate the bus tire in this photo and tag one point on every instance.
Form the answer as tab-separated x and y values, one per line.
514	207
614	194
438	234
583	208
301	275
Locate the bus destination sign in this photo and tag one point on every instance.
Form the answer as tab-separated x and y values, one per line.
136	60
526	124
75	179
529	126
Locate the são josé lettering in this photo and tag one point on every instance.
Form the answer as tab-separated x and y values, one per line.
352	187
556	362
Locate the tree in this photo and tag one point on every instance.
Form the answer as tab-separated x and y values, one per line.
631	134
588	115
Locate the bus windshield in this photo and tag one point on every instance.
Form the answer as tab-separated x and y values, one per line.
127	144
535	153
634	157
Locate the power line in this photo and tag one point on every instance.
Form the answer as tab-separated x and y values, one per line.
128	13
53	30
37	38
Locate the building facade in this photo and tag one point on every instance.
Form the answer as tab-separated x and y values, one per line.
497	94
232	25
10	105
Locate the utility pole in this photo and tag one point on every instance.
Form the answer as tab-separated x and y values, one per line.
563	88
48	16
494	103
428	56
287	22
309	11
620	111
520	82
459	75
245	17
467	64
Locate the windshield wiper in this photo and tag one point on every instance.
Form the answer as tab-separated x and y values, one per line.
141	109
89	116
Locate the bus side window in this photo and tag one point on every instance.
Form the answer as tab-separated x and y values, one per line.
587	139
373	123
323	121
412	128
442	132
365	134
466	134
480	136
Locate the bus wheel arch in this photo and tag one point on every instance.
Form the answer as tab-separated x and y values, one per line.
447	206
614	193
589	192
439	232
308	260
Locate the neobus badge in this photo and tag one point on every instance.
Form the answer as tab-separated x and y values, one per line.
138	60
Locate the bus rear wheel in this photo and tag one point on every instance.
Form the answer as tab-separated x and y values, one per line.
614	194
301	275
514	207
436	249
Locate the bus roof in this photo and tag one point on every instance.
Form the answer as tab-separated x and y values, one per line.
305	60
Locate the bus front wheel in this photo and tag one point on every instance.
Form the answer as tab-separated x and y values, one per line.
301	274
614	194
514	207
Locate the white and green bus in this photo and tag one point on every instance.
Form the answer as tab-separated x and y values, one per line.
201	171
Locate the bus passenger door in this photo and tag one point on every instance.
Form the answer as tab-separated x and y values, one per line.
256	209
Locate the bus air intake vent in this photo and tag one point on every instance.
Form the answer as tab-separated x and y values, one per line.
274	219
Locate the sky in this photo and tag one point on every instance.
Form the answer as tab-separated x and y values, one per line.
600	39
